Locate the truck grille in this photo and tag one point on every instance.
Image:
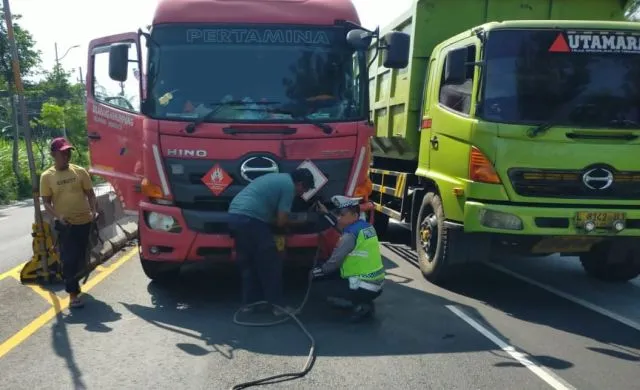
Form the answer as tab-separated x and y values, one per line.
206	213
591	183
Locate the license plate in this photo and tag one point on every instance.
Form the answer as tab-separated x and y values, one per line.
601	220
280	243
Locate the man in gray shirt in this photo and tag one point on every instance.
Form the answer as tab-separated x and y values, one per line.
263	203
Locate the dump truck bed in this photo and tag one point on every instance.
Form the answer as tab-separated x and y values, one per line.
396	95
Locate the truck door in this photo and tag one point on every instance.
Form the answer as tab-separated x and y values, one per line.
452	108
114	121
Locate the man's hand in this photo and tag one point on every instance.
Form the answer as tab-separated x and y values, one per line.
95	215
321	208
59	223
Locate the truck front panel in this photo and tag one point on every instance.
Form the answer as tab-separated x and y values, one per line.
559	124
240	101
243	161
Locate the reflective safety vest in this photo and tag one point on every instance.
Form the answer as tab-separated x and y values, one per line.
365	261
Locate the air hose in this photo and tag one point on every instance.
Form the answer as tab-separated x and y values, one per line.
311	357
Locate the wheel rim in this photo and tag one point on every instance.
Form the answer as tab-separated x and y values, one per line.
429	235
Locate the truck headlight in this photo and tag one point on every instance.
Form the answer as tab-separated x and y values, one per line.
499	220
162	222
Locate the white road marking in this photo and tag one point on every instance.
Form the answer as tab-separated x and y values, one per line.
572	298
547	376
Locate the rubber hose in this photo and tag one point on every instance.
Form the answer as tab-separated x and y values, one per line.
311	357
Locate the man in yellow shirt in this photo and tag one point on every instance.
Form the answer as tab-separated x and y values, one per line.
67	195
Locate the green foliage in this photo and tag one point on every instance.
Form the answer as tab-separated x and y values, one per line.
12	188
54	106
28	55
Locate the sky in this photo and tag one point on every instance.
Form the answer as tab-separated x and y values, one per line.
76	22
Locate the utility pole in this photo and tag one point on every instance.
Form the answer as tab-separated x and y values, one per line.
57	71
17	81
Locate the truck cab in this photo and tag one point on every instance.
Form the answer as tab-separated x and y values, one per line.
514	130
220	93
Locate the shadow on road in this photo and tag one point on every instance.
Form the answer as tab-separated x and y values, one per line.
530	303
62	346
94	315
409	320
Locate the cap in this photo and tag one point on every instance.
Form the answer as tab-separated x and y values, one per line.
342	202
304	176
60	144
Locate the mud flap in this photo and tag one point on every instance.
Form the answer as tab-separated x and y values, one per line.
465	248
32	272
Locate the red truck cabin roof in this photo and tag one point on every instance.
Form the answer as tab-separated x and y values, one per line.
308	12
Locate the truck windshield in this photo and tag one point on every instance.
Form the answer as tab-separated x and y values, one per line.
586	79
254	73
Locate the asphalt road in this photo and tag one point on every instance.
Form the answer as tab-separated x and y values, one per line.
490	330
15	234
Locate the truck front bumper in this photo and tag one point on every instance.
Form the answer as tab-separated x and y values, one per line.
552	220
181	244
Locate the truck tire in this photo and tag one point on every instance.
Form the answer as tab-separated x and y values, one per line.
380	223
432	239
160	271
597	264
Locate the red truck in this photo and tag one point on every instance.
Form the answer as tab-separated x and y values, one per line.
215	93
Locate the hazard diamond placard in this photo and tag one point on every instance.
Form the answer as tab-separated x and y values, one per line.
217	180
319	179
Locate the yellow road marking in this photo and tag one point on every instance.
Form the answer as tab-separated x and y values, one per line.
13	272
46	295
59	305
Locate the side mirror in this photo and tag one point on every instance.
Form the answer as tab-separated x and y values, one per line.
359	39
396	50
119	61
455	67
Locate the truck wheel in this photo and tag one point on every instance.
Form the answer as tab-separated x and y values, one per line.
380	223
597	264
432	239
160	271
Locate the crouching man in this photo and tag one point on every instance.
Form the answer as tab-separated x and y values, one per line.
353	276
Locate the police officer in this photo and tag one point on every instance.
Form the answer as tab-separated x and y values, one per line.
354	275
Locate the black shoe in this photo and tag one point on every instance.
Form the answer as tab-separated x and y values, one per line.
362	312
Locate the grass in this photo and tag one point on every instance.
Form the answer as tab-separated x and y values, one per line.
12	189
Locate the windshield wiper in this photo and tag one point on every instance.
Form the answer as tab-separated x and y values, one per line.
564	109
191	127
295	114
327	129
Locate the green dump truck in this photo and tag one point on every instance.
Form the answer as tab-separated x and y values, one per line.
515	129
